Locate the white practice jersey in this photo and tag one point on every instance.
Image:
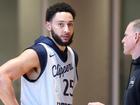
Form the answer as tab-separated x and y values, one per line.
56	84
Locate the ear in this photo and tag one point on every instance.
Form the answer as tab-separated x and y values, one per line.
48	26
137	36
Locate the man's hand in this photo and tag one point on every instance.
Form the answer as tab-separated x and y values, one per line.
95	103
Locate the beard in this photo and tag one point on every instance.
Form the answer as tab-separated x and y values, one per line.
59	41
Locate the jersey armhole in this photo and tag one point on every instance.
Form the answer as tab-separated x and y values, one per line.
42	55
76	62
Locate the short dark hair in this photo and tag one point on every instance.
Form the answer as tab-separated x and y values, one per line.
59	7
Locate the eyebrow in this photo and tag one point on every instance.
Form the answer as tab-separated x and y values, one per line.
65	21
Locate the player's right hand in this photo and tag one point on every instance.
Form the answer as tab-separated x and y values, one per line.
95	103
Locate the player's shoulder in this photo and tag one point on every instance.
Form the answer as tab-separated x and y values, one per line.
75	55
28	53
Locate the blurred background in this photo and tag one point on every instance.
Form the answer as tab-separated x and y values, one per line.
99	27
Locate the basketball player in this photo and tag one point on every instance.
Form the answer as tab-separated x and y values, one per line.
47	68
131	42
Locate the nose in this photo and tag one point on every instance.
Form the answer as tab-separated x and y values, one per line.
123	40
66	29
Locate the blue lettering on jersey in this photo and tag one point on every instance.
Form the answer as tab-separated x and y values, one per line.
58	70
59	103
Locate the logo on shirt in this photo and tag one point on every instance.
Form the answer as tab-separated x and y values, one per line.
131	82
51	55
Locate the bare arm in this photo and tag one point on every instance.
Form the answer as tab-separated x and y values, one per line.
14	69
